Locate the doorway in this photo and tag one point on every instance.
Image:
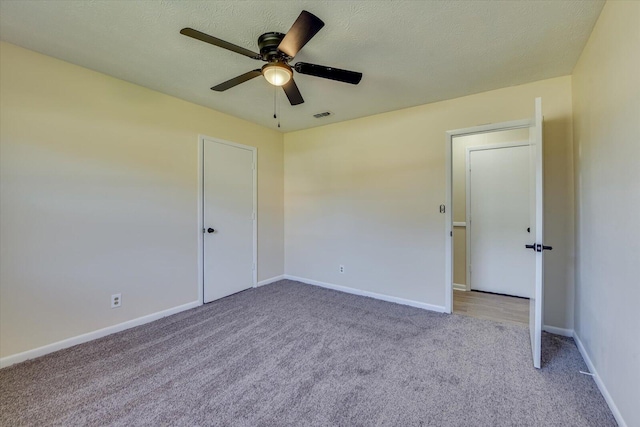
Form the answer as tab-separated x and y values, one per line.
533	246
229	218
494	277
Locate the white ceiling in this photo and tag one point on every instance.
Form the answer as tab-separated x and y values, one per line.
411	52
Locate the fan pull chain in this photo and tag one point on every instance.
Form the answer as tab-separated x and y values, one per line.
275	116
276	113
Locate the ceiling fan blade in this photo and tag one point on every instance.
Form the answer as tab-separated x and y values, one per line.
237	80
303	30
345	76
190	32
293	93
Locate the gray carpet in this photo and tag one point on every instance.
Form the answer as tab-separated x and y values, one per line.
297	355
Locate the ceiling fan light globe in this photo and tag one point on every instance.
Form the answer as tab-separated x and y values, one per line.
277	75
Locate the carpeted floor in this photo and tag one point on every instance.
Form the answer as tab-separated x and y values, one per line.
297	355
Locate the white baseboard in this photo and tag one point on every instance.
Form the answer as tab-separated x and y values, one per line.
605	393
271	280
431	307
459	287
90	336
558	331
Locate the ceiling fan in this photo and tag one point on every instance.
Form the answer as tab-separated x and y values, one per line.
277	50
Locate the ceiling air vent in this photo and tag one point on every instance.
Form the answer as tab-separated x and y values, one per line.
324	114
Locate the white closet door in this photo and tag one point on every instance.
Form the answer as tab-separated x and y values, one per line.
228	219
499	216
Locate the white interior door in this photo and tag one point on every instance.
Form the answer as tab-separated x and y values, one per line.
537	242
228	218
498	218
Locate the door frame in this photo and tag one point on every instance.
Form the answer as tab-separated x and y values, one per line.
467	213
200	230
493	127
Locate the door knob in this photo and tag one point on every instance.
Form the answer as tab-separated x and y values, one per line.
538	247
210	230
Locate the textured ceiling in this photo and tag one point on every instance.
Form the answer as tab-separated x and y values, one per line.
411	52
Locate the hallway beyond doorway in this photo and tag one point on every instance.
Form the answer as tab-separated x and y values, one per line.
483	305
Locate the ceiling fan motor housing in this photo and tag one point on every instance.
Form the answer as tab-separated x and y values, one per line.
268	43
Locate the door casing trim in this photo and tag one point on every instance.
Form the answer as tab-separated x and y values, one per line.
493	127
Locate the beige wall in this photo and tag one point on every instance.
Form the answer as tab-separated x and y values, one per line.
460	255
459	182
99	196
606	97
99	190
365	193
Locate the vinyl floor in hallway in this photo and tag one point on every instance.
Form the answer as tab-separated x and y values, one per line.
483	305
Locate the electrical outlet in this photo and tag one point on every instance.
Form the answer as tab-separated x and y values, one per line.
341	269
116	300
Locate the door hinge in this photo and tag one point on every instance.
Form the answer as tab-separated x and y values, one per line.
253	216
253	166
253	266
